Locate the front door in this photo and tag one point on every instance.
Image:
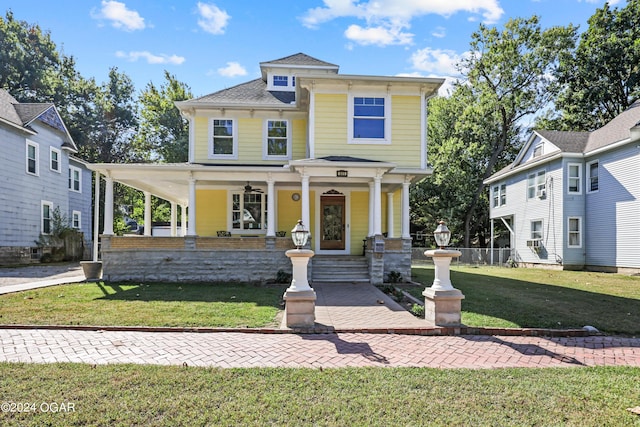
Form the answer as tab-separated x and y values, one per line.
332	223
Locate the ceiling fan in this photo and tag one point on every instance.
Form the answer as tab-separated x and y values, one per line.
249	189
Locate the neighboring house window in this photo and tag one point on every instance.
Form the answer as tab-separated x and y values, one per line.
574	232
496	196
76	220
369	120
537	151
54	159
536	184
281	81
224	140
593	176
536	229
574	178
75	177
293	81
32	158
249	211
499	195
277	139
47	214
503	194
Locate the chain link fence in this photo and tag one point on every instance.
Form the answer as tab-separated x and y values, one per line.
504	257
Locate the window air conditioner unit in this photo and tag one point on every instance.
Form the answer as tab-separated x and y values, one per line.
533	243
541	194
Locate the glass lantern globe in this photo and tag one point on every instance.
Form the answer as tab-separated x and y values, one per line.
442	235
299	235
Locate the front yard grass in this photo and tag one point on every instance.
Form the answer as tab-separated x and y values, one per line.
529	297
126	395
170	304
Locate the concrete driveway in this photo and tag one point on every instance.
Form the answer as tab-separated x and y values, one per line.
14	279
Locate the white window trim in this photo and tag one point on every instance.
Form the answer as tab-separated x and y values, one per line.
234	129
387	120
290	82
71	170
495	197
265	140
569	178
59	153
588	176
579	245
263	212
536	185
502	193
37	159
79	214
541	221
44	203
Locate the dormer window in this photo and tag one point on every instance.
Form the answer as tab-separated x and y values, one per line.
537	151
282	81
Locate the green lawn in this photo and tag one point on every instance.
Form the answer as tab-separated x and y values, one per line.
187	305
529	297
127	395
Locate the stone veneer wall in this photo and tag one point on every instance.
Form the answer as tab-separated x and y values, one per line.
396	257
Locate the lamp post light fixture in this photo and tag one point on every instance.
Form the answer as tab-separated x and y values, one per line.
299	235
442	235
300	298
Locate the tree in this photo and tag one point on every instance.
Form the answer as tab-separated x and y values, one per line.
602	78
508	77
163	133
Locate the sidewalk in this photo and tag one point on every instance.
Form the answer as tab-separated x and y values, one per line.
15	279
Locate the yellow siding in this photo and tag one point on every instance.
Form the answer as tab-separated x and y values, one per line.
249	140
211	212
331	117
289	211
299	142
359	220
201	149
397	213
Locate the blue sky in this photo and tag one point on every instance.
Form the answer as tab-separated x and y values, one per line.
210	45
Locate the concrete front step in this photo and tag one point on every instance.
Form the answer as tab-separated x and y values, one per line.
329	269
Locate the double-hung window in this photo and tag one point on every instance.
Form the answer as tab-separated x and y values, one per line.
249	211
277	140
503	194
574	232
54	160
75	179
496	196
46	217
76	220
32	158
574	178
499	195
369	121
536	229
223	139
536	184
281	81
593	176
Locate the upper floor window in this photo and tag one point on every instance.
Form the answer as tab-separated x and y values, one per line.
369	121
75	179
537	151
574	178
281	81
32	158
593	176
536	185
54	158
503	194
223	139
499	195
536	229
249	211
574	232
278	139
46	217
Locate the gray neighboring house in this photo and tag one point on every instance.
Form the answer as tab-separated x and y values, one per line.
37	175
572	199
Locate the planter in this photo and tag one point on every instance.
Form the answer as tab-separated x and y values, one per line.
92	269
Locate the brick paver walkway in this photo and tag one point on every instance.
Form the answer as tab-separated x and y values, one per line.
235	349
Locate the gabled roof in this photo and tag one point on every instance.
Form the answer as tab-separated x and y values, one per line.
28	112
616	130
567	142
301	60
253	93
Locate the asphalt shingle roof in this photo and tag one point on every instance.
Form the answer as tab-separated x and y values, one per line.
567	142
300	59
253	92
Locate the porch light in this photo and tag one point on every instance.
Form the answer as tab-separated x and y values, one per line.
299	235
442	235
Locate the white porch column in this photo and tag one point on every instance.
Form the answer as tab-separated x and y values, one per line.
174	219
377	205
389	214
306	217
96	214
191	230
108	207
183	220
147	214
371	201
271	208
406	232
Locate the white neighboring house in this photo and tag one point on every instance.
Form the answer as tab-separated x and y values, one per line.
572	199
37	175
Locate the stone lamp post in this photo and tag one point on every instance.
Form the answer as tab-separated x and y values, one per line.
442	302
300	298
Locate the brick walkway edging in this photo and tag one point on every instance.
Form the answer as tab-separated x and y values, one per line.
427	331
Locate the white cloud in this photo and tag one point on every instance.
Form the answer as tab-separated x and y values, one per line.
233	69
120	16
151	58
439	32
212	19
439	61
394	16
444	90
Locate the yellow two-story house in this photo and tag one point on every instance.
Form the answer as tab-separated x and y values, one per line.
302	142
